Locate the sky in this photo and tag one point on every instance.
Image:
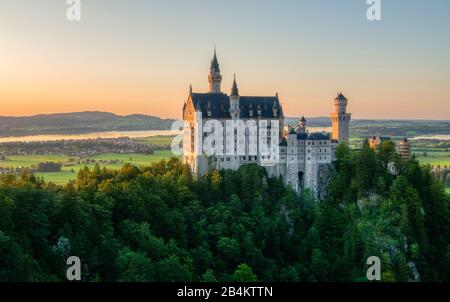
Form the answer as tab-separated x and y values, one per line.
140	56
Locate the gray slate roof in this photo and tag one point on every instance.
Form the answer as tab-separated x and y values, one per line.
219	105
316	136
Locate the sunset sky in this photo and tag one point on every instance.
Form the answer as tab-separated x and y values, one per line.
139	56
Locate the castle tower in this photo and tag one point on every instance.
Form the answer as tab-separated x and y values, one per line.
292	168
214	77
340	119
404	149
234	101
301	126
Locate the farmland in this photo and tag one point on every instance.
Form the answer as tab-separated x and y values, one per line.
72	164
434	158
68	172
434	153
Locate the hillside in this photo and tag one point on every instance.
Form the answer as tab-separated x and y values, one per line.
79	122
95	121
158	223
395	128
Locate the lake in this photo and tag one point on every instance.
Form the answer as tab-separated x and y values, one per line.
107	134
84	136
442	137
146	133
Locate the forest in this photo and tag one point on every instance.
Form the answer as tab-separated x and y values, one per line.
158	223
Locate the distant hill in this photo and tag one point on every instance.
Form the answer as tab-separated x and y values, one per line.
79	122
392	127
96	121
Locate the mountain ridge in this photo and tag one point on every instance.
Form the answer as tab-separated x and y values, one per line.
99	121
79	122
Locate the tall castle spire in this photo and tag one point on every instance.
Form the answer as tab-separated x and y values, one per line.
234	89
214	77
234	100
215	62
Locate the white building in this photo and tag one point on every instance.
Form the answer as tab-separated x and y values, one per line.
234	125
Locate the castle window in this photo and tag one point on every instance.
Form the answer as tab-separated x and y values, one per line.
228	159
309	158
222	159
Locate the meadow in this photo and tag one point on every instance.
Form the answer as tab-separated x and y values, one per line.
158	141
70	172
434	158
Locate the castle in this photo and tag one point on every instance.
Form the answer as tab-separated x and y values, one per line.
403	147
302	158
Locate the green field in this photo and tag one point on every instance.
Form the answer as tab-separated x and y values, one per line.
434	158
159	141
70	172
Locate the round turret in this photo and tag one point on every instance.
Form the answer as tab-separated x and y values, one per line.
340	103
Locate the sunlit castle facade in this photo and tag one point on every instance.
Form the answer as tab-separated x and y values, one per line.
244	130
